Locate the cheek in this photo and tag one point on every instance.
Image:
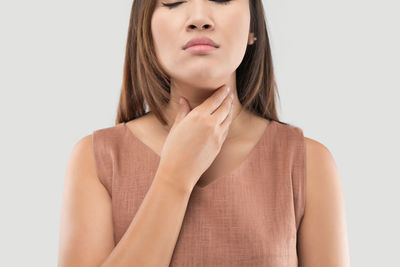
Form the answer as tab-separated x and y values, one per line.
161	32
239	24
237	30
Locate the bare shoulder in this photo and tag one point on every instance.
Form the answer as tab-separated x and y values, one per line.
322	235
316	146
85	200
82	156
321	167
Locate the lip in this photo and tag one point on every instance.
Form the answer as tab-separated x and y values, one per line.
200	41
200	49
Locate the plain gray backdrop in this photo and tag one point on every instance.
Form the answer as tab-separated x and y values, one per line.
337	68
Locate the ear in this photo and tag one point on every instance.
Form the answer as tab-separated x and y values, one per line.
251	38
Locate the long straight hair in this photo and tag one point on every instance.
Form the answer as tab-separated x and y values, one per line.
146	85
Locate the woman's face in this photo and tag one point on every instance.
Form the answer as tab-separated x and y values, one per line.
227	23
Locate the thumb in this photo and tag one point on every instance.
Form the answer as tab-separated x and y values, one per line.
183	110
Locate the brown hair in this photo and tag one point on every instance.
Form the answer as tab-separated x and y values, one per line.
144	80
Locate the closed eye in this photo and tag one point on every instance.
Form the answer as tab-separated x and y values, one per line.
172	5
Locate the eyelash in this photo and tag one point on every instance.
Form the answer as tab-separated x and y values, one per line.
172	5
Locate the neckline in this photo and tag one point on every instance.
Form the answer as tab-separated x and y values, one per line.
218	180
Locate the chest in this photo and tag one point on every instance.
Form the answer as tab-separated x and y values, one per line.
231	157
245	219
242	227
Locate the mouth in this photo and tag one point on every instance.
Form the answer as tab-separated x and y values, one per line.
204	42
200	48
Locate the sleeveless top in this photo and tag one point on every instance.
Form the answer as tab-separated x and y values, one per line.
249	217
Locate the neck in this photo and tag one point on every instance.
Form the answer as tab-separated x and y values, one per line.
195	97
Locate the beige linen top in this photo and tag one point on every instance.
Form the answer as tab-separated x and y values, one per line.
249	217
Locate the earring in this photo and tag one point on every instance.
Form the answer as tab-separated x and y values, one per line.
255	38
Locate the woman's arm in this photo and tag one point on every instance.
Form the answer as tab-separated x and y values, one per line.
322	234
151	237
86	237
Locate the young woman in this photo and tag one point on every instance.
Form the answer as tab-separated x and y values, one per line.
216	180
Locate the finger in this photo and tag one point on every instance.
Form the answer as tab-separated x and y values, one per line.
183	110
223	110
225	125
214	101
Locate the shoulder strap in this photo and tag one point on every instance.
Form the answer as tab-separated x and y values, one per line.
105	143
297	143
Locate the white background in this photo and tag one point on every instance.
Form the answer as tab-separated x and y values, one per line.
337	68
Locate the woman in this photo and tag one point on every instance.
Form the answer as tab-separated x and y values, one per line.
211	181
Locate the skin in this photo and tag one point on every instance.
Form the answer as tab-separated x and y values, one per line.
152	234
195	76
322	237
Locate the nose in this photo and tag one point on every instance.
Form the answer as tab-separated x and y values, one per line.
202	26
199	18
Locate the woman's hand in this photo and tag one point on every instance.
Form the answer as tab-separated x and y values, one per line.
196	138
